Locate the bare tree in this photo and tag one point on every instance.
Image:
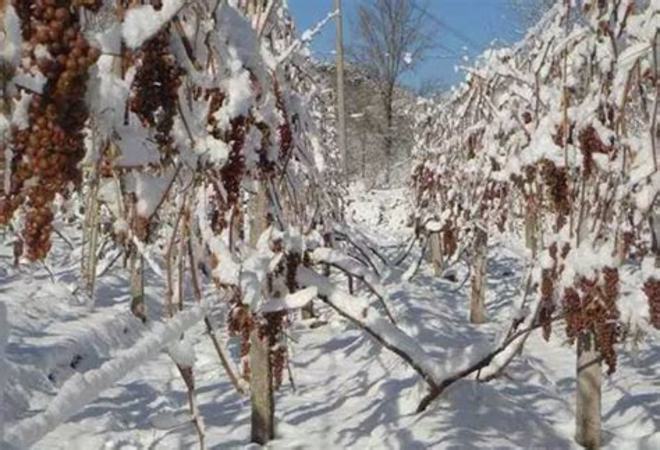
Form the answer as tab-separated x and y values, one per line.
391	37
529	12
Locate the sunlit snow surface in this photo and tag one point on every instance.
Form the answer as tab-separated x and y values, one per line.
350	393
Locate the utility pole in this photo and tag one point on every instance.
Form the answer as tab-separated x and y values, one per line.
341	109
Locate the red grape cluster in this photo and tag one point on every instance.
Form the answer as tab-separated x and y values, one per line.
652	291
49	149
591	143
155	87
284	130
556	180
590	306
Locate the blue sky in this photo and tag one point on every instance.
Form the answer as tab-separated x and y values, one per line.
463	28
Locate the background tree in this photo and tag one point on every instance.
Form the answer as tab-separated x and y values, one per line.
528	12
391	37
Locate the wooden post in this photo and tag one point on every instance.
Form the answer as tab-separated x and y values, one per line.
436	254
261	376
530	229
478	291
90	235
261	390
136	267
587	405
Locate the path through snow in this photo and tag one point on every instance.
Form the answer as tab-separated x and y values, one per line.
349	392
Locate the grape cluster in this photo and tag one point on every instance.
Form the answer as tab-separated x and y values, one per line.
547	306
590	306
591	143
548	279
284	130
232	172
49	149
556	180
652	291
271	328
240	323
449	241
155	87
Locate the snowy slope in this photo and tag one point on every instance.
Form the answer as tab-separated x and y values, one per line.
349	392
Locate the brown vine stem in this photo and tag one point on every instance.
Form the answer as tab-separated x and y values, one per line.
168	259
477	366
226	365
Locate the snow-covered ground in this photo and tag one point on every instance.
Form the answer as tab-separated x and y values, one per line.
349	392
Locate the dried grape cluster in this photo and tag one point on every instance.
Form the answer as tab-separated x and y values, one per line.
232	172
556	180
547	306
449	241
270	325
284	129
590	306
591	143
155	87
271	328
48	151
240	323
423	180
652	291
548	282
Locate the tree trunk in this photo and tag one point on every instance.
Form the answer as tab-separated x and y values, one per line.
261	390
364	155
530	229
389	97
138	307
261	384
436	254
587	410
478	291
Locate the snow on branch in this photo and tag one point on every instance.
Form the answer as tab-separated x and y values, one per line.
306	37
143	22
387	334
295	300
352	267
81	389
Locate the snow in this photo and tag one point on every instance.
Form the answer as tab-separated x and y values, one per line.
33	82
216	150
72	377
350	391
182	351
4	368
10	36
149	190
143	22
19	116
240	97
80	389
290	301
